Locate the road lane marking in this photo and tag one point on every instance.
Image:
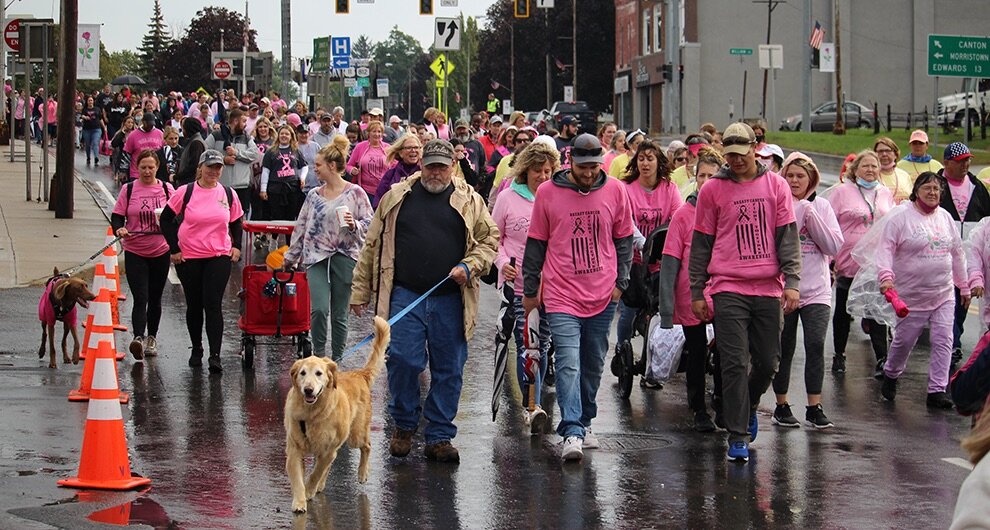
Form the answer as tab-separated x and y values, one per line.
956	461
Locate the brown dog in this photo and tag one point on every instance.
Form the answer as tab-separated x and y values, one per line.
58	303
323	410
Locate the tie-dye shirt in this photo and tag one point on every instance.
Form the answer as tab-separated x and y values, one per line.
322	235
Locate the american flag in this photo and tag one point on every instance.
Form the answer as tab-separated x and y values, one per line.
560	64
817	36
495	84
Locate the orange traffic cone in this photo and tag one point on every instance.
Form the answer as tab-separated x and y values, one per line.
98	331
112	251
109	272
104	463
99	282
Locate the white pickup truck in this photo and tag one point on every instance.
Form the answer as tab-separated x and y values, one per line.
953	106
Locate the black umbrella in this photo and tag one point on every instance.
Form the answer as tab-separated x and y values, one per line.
503	330
127	79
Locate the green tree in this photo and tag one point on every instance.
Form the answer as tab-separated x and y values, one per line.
396	59
362	48
186	65
547	31
154	47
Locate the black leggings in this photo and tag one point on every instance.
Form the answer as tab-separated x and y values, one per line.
841	321
204	281
814	320
146	277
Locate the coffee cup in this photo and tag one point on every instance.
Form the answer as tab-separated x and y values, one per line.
342	211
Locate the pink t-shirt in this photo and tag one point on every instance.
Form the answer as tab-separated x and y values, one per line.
139	216
744	217
581	262
371	161
512	215
204	231
652	208
961	192
924	257
678	245
138	141
856	209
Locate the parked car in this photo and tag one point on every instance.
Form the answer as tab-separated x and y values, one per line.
538	119
587	119
823	117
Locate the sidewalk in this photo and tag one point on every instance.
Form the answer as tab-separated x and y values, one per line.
32	241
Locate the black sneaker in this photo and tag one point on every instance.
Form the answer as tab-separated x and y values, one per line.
815	417
782	416
889	388
196	358
703	422
878	369
215	366
939	400
839	363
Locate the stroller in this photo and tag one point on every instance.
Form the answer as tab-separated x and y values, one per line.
273	303
624	366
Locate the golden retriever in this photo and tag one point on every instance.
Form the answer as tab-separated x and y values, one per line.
323	410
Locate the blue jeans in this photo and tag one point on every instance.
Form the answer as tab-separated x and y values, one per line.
431	335
580	346
91	142
624	329
521	351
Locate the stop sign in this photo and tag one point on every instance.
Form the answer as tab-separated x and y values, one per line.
222	69
10	35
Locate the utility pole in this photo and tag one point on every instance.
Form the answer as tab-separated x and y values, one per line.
574	92
840	112
244	63
286	46
546	32
65	153
806	72
771	5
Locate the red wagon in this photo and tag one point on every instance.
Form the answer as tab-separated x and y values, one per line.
280	310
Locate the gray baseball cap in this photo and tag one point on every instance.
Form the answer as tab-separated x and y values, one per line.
211	157
587	150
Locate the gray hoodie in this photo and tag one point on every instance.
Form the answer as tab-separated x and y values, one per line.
238	175
787	244
536	250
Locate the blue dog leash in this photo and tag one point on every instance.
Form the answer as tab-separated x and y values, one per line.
398	316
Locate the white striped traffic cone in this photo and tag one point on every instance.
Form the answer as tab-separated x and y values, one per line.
98	330
103	462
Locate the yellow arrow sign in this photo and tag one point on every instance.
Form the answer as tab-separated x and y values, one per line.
438	65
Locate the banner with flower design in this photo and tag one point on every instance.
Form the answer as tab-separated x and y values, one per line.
88	52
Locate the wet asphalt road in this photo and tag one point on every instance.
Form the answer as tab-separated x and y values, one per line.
214	449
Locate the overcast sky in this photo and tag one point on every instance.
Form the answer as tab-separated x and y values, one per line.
125	22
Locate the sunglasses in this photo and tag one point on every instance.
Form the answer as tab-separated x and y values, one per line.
681	159
727	142
523	140
577	151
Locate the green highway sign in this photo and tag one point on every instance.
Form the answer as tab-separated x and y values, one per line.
958	56
740	51
321	55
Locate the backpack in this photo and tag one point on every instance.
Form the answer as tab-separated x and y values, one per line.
130	189
179	215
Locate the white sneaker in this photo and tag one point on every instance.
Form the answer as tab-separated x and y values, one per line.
537	421
590	440
150	346
571	449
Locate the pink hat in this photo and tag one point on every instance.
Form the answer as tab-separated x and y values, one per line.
918	136
293	119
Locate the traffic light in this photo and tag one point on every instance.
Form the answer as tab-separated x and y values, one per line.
343	7
668	71
521	8
425	7
238	66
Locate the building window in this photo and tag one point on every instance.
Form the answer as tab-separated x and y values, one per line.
646	32
657	28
